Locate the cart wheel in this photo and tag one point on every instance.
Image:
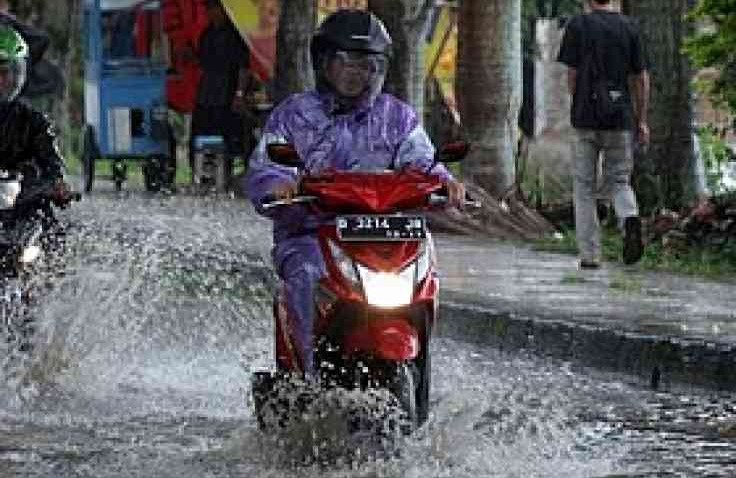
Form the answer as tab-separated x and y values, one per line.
170	161
119	173
152	174
89	155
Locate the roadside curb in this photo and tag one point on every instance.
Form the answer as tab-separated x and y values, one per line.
657	359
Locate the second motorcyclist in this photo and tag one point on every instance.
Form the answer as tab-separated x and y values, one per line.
27	137
347	123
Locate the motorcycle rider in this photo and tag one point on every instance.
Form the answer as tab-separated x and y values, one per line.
27	137
345	124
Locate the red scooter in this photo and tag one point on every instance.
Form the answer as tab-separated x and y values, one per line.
377	306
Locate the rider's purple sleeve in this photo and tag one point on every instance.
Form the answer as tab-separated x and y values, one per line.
417	151
264	174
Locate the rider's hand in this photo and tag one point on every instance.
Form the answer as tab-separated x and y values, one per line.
60	193
285	191
456	193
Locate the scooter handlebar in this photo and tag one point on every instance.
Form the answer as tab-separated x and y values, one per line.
439	200
270	202
45	192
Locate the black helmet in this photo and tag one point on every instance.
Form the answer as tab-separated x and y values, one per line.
350	31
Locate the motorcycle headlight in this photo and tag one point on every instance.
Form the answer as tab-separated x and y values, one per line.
9	191
387	290
29	254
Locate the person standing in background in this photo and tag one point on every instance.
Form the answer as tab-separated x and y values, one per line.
223	57
609	84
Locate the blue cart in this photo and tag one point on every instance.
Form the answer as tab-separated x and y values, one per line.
126	112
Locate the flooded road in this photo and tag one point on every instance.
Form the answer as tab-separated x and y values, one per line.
146	345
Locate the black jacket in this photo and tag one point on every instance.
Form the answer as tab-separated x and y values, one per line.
28	143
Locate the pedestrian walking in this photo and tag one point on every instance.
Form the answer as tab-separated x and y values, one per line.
609	84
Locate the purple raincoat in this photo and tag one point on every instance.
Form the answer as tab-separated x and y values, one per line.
380	133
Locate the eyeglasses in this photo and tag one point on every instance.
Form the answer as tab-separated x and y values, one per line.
365	62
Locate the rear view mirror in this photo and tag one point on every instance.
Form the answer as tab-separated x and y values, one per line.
453	152
284	154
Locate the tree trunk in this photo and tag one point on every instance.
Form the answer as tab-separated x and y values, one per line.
293	64
663	176
68	61
489	89
406	21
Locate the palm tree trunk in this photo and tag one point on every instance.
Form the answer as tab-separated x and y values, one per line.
489	89
406	21
664	175
293	64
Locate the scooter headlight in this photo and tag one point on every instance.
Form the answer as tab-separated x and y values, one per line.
387	290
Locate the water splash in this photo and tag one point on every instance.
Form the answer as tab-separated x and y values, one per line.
146	344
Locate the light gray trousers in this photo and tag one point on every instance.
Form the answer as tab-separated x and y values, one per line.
602	163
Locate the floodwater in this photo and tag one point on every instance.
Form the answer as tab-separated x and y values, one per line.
146	345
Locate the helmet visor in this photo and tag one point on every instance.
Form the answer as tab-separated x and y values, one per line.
353	73
366	63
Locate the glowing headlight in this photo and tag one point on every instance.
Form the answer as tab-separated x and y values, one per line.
9	191
383	289
30	254
344	263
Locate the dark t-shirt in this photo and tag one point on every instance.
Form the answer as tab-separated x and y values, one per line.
222	53
617	40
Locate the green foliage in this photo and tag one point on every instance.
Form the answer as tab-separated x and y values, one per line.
715	154
713	45
708	262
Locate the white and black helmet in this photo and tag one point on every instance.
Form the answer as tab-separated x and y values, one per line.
14	58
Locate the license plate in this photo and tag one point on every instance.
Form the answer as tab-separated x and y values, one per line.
381	228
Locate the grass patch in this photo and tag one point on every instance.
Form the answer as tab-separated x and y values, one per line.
625	283
103	168
572	278
706	262
563	243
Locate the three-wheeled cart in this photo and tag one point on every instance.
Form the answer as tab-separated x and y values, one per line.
126	107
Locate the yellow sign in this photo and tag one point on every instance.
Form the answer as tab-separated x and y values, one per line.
257	21
441	54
